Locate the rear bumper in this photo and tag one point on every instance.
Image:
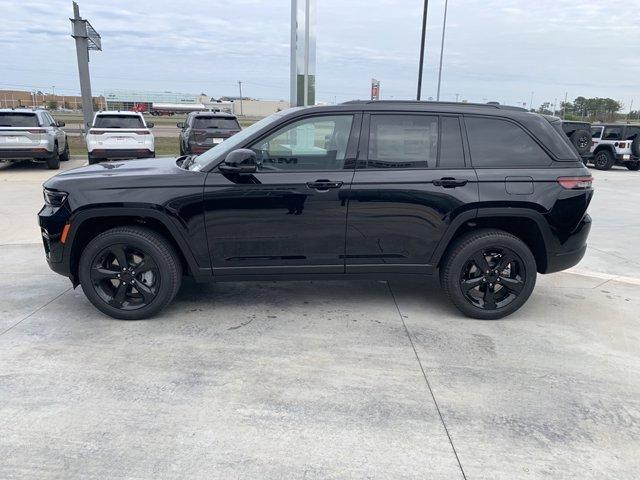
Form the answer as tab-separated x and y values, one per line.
572	250
115	153
39	153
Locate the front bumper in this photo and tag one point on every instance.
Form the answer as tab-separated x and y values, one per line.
52	221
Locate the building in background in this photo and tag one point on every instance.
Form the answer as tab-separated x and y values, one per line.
38	99
128	99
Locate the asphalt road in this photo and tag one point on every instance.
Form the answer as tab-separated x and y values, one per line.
344	379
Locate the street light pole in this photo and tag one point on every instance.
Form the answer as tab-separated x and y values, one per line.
444	26
424	35
240	87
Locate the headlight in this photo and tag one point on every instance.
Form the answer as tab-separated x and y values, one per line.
53	198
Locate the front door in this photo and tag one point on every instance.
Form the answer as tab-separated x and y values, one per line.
411	181
290	216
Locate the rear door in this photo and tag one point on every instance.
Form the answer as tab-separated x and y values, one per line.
412	180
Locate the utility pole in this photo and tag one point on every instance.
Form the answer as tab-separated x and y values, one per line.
531	102
444	26
564	106
240	87
422	41
86	39
628	116
303	53
457	95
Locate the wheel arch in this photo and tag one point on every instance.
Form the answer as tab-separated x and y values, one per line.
88	224
526	224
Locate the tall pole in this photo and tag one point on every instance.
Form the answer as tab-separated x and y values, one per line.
531	102
444	26
240	87
422	41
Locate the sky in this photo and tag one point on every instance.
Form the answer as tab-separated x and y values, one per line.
495	50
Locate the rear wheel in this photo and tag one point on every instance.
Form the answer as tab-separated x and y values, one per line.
603	160
92	159
489	274
130	273
633	166
53	162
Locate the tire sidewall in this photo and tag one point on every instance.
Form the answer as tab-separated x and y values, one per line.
458	261
606	156
164	295
53	162
575	139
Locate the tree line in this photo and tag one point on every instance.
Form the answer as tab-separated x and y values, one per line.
590	109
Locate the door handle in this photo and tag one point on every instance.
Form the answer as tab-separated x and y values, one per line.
449	182
324	185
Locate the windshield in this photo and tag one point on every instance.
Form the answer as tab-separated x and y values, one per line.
18	120
118	121
216	122
232	143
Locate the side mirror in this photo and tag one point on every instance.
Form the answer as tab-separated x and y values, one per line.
60	124
241	161
150	124
180	124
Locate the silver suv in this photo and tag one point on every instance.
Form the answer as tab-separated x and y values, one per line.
32	134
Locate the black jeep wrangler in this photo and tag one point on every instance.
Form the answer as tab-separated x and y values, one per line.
485	196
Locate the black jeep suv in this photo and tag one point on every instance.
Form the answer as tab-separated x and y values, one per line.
484	196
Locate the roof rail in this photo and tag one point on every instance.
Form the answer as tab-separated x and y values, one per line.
424	102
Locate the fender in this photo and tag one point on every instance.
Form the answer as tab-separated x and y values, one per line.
77	219
605	146
488	212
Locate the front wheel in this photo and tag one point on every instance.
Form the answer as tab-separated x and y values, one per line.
130	273
65	153
489	274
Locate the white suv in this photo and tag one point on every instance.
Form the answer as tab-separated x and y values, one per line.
615	144
119	135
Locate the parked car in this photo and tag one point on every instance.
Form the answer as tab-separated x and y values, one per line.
33	135
580	135
202	130
119	135
615	144
483	196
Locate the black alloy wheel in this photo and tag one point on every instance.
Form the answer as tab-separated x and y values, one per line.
493	278
125	277
130	272
603	160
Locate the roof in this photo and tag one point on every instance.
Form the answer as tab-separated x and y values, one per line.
20	110
419	103
207	113
118	112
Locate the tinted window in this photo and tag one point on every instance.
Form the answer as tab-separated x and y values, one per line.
451	154
495	142
318	143
612	133
402	141
596	132
118	121
216	122
631	133
18	120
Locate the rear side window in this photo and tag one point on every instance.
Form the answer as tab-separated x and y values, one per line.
118	121
451	154
403	141
612	133
498	143
631	133
18	120
216	122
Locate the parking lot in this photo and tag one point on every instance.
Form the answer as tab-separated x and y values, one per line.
357	379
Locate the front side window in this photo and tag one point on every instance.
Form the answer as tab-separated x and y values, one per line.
318	143
596	132
499	143
612	133
403	141
118	121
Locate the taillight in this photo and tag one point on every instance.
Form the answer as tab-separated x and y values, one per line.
35	130
144	132
575	183
96	132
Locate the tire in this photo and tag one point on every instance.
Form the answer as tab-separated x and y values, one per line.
65	153
633	166
150	282
603	160
92	160
181	149
581	139
635	146
53	162
488	296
